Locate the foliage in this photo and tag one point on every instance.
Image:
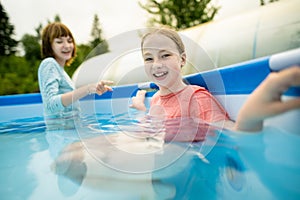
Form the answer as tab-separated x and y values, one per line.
57	18
18	74
180	14
31	47
98	44
262	2
7	43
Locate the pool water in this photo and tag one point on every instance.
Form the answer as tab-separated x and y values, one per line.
227	165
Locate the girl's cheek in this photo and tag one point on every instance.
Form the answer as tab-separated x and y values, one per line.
147	67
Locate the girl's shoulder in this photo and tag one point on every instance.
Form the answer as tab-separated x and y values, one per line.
197	88
47	66
47	61
199	91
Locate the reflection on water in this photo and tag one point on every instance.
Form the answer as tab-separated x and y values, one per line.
28	125
123	158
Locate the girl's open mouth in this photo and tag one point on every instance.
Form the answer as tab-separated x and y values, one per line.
160	74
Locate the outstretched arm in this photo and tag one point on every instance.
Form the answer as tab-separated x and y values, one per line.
99	88
265	101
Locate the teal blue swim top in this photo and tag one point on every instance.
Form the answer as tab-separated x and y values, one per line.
53	82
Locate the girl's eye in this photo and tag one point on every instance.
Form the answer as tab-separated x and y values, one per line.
147	59
166	55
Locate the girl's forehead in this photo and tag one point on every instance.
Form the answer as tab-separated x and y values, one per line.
159	42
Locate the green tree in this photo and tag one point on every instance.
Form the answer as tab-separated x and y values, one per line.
31	47
7	43
57	18
179	14
32	43
263	2
38	31
98	44
17	75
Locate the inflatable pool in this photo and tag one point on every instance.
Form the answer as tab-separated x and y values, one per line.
237	166
257	33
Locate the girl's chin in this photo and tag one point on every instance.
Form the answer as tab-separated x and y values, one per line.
64	57
160	83
159	79
68	57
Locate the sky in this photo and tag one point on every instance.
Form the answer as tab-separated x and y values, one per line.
116	16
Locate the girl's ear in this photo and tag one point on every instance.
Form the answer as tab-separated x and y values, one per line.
183	59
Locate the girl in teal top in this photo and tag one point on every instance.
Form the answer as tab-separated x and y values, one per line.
60	97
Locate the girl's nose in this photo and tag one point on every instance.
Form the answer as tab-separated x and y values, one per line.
157	64
67	44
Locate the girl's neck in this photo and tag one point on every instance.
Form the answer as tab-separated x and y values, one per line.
62	63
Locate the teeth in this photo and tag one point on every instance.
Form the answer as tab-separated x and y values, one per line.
160	74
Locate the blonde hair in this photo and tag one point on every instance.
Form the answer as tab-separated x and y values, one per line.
52	31
173	35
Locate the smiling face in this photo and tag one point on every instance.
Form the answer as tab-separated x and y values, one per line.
63	49
58	42
163	61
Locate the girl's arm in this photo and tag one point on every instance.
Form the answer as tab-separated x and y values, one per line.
99	88
265	100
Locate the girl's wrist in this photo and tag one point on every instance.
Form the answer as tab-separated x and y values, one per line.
88	90
249	125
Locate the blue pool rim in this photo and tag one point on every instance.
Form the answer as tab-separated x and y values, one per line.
237	79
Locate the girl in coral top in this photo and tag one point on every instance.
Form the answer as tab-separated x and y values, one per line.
164	55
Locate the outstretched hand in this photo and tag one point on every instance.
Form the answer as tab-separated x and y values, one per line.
138	102
265	101
101	87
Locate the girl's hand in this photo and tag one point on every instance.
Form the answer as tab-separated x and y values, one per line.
100	87
138	101
103	86
265	101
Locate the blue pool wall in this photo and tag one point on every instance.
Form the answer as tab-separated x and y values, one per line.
230	85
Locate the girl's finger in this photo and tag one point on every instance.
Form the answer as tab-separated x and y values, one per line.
106	82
